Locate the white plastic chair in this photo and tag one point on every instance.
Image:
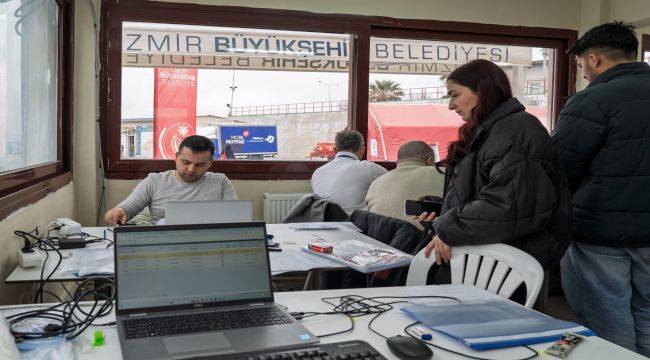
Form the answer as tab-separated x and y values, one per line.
497	268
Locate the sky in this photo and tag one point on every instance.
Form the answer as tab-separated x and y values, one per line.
253	88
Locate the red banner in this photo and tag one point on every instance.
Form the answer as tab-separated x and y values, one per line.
174	109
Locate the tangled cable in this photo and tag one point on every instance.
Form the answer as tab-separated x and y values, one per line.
69	318
355	306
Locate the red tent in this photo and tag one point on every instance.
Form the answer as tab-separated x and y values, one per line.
390	125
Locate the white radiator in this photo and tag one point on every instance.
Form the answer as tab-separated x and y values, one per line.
277	206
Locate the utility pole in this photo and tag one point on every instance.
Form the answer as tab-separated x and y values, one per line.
232	94
329	92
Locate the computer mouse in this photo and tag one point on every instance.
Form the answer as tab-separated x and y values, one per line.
409	348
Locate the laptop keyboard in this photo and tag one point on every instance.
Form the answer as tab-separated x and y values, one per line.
345	350
203	321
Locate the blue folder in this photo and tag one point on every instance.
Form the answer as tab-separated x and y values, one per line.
492	324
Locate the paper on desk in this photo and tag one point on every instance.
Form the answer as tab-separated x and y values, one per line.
314	226
323	226
295	260
70	262
97	261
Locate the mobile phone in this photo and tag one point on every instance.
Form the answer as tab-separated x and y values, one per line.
415	208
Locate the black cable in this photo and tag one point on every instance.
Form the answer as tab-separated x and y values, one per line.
535	353
43	243
68	318
356	305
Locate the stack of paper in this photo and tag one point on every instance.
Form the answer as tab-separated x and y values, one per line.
491	324
97	261
364	257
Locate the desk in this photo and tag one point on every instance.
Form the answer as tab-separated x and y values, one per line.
391	323
292	258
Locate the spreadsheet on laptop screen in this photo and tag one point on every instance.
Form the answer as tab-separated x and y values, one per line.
165	268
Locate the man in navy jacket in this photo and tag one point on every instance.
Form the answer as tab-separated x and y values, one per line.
603	136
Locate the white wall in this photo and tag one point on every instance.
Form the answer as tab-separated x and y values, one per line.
596	12
55	205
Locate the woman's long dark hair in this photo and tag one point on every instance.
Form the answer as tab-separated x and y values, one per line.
492	86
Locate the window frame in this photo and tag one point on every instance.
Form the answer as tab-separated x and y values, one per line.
645	45
25	186
361	28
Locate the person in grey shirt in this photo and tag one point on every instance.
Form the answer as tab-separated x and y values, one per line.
346	179
190	181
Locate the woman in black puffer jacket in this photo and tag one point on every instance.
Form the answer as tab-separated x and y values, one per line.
504	182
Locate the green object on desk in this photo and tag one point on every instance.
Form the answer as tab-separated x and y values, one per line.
98	338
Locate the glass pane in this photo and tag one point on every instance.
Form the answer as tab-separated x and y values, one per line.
28	83
258	94
646	56
408	96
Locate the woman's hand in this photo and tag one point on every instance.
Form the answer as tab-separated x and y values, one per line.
425	217
443	251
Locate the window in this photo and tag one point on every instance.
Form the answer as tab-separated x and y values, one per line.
272	87
408	97
645	47
33	117
257	94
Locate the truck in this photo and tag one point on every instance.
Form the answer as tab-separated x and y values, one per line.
239	141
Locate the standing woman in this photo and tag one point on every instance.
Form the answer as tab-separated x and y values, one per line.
504	182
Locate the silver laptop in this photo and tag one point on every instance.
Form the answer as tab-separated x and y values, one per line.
185	291
208	212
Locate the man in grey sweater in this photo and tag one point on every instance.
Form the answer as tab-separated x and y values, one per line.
190	181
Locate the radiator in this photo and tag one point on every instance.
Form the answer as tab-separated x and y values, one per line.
277	206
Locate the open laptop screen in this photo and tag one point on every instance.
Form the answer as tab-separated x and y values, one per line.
166	266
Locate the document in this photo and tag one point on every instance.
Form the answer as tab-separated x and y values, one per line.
294	260
97	261
346	225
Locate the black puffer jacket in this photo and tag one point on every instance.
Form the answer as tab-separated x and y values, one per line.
603	137
509	189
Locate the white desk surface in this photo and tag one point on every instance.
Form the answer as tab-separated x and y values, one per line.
290	240
390	323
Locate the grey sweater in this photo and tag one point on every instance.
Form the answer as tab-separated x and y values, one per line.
159	188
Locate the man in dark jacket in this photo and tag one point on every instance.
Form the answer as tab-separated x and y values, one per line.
603	136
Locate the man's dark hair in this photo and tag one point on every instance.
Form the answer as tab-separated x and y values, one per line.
415	150
348	140
615	41
197	144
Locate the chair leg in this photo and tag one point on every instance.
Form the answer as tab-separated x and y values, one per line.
316	280
541	304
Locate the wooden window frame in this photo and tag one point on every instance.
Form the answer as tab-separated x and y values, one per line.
361	28
645	45
26	186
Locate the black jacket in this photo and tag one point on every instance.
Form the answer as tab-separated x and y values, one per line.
397	233
603	136
509	189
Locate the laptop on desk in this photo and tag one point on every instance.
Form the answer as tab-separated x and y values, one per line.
186	291
208	211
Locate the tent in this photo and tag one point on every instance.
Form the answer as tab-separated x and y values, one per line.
392	124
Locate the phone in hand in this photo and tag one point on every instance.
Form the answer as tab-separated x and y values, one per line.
415	207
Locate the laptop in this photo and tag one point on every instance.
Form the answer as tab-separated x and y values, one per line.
208	212
185	291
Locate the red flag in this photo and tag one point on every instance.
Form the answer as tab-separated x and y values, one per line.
174	109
